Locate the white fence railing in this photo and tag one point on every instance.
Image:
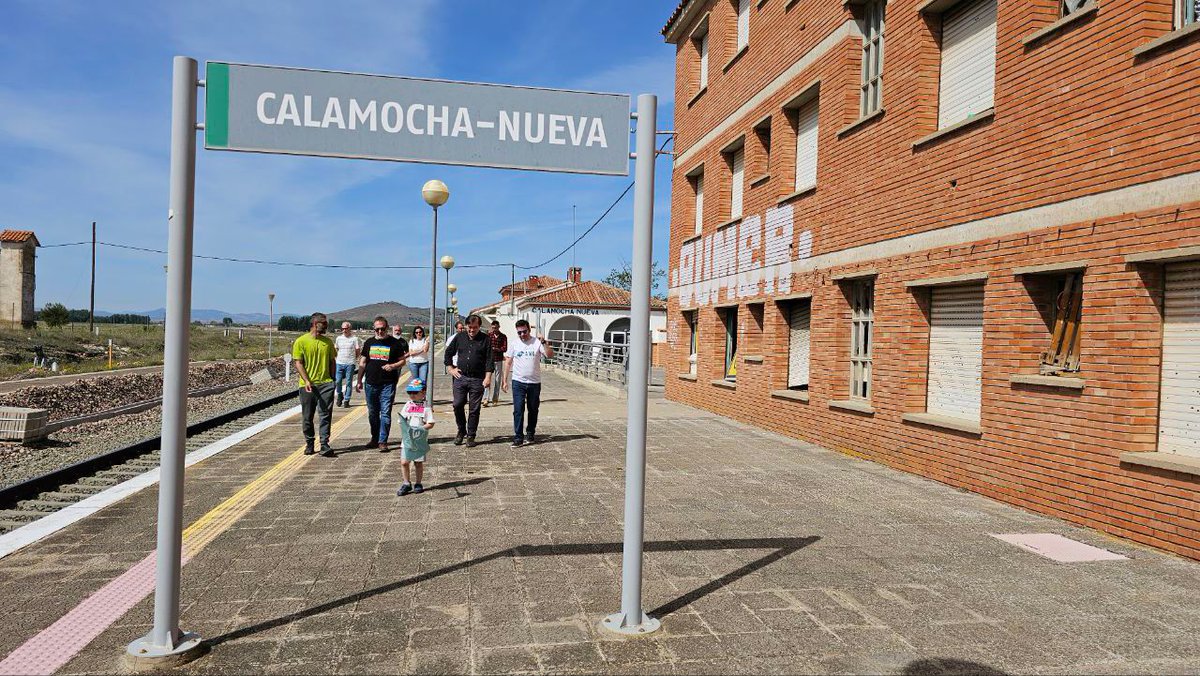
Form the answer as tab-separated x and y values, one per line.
604	362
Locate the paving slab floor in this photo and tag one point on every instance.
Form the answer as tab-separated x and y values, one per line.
764	555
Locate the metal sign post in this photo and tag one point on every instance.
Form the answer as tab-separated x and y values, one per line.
323	113
166	642
632	619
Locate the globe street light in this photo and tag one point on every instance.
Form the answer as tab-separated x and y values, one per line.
435	193
447	263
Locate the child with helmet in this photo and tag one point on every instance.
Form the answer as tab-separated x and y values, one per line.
416	420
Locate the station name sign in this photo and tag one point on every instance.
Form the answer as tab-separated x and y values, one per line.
313	112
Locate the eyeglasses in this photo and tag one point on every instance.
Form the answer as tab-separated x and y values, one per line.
522	333
381	328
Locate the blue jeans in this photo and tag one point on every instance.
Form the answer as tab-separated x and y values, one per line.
525	395
344	372
379	410
419	371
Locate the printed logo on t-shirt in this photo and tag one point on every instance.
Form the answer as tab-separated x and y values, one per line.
380	352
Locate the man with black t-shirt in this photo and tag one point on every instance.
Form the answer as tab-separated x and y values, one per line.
380	362
470	362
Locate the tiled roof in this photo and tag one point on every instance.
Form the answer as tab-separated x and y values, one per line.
675	16
530	285
18	236
586	294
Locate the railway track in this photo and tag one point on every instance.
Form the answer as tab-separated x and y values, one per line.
30	500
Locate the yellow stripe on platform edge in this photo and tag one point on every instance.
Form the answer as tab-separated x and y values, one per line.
220	518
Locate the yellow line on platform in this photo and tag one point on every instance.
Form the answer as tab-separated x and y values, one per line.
220	518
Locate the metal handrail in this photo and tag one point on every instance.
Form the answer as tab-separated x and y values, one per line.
596	361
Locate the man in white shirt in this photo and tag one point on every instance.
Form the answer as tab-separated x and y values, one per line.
348	348
523	360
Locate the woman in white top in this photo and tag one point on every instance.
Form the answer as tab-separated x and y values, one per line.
418	354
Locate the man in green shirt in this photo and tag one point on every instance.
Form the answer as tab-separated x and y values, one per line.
313	355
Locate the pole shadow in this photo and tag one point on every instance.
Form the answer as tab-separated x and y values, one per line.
782	547
943	665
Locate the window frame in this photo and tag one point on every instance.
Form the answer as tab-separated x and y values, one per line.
741	25
789	307
729	319
696	178
862	324
1063	353
1184	8
737	186
762	132
691	317
871	86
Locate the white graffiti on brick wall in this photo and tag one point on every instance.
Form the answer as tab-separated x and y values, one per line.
744	260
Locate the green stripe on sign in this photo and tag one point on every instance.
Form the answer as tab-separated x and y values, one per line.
216	105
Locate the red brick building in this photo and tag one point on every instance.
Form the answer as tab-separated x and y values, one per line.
957	237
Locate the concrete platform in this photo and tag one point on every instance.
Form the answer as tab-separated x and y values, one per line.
764	555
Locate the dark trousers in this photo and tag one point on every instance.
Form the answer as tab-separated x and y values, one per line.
525	395
320	402
379	409
467	391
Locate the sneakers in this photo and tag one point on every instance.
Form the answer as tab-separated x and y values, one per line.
308	448
373	445
418	488
471	442
326	451
529	438
346	404
383	447
517	443
405	489
338	402
458	440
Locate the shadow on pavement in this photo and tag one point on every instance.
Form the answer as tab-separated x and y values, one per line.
941	665
782	547
458	484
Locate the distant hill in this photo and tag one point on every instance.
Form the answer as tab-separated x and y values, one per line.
204	315
395	313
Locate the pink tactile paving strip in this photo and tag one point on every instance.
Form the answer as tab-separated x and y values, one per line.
57	644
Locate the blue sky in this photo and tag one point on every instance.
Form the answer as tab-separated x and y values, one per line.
84	130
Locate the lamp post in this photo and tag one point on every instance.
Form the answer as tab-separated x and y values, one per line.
435	193
271	325
450	288
447	263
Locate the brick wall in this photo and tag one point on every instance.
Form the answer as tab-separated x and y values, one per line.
1076	116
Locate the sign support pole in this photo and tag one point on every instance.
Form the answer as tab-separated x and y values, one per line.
166	644
632	620
433	366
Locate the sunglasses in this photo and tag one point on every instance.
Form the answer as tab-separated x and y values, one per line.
381	328
522	333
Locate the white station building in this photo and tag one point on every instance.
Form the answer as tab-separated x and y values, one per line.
571	310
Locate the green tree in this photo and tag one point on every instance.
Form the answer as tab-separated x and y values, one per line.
622	277
227	322
55	315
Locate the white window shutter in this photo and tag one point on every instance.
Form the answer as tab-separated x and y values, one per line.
737	182
955	351
743	23
1179	398
968	77
806	145
699	204
704	61
799	318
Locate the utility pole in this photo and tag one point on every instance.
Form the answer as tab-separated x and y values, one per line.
572	235
512	291
92	298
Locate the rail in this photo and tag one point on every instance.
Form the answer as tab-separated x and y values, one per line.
603	362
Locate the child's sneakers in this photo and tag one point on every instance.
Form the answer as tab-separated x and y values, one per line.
405	489
418	488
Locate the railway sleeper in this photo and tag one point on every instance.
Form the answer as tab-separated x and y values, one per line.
61	496
18	516
43	506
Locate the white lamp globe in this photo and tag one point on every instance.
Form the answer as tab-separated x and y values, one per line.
435	193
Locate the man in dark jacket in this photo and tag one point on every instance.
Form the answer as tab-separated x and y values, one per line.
469	360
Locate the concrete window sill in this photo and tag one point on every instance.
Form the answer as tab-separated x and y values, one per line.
727	384
735	58
977	118
1177	255
793	395
799	193
753	359
860	122
944	422
857	274
1171	40
733	221
696	96
1174	462
853	405
760	180
687	376
1065	382
1062	24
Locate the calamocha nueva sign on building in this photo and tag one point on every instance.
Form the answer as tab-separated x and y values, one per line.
314	112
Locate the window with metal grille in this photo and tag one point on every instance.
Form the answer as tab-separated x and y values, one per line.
799	315
1063	355
693	340
730	318
872	57
1187	12
862	320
